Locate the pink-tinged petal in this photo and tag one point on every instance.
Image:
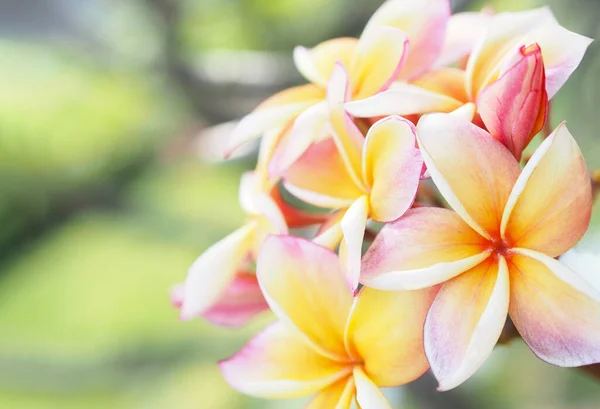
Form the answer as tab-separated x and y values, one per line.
392	167
296	217
321	178
562	51
550	207
337	396
397	357
425	25
211	274
308	127
473	171
276	111
348	138
401	99
425	247
330	234
377	61
353	226
465	322
556	312
368	394
240	303
316	64
277	363
505	32
514	107
446	81
304	286
462	33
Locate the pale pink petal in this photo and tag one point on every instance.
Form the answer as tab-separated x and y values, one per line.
514	107
562	51
211	274
337	396
402	99
307	128
240	303
462	33
277	363
398	357
473	171
377	62
316	64
505	32
321	178
550	207
465	322
353	226
304	286
426	246
556	311
425	25
348	138
392	167
368	394
276	111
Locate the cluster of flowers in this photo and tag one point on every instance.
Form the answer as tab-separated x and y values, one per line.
420	125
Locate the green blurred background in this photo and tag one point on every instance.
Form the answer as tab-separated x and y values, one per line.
111	187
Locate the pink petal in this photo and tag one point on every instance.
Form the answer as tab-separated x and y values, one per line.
514	108
304	286
320	177
240	303
474	172
465	322
425	247
398	357
379	57
425	25
277	363
392	167
550	207
556	312
211	274
402	99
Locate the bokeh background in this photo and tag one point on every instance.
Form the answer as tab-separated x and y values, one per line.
112	116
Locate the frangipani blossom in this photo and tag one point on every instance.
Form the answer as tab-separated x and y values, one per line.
373	61
224	269
325	342
519	63
375	177
495	253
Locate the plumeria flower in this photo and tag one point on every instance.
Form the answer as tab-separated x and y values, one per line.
519	63
495	253
325	342
221	285
380	56
374	177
